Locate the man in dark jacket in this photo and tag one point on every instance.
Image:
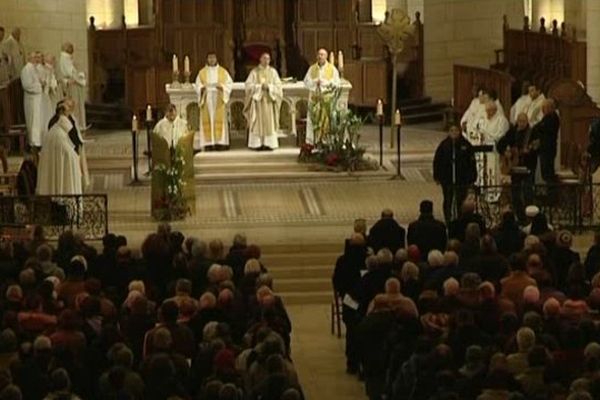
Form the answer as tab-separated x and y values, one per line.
547	131
427	232
454	168
386	233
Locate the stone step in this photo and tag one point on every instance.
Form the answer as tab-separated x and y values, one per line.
302	272
289	248
302	285
249	167
317	297
299	260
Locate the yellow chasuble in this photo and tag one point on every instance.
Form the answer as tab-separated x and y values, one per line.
220	108
320	100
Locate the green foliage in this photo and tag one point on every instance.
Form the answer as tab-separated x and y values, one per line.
172	205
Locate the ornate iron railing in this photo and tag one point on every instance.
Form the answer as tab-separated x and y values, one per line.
87	214
570	205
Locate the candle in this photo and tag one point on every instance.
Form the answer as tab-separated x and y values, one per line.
380	108
186	65
397	118
340	60
134	124
175	64
149	113
331	57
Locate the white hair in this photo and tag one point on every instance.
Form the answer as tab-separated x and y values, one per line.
435	258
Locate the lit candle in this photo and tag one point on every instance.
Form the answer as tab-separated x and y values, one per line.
149	113
397	118
331	57
186	65
379	108
340	60
175	64
134	124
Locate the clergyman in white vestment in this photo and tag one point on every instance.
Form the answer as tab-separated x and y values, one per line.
534	109
32	99
474	113
74	83
491	129
321	79
264	94
16	53
521	104
50	95
59	168
171	127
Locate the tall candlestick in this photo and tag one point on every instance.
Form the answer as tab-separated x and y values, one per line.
134	124
175	64
379	108
397	118
149	113
340	60
331	57
186	65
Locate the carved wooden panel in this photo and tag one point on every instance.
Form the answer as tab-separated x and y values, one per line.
375	82
353	73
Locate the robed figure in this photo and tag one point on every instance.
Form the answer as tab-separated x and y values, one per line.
32	99
321	80
59	168
73	82
173	191
213	86
264	94
13	48
50	92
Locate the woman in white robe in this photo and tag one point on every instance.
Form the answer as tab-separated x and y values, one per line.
59	168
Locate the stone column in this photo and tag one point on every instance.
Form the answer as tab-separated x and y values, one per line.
593	50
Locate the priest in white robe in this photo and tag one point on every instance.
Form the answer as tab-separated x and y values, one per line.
16	53
4	63
475	112
521	104
32	99
73	82
171	127
59	168
213	86
534	109
50	95
321	80
264	94
490	130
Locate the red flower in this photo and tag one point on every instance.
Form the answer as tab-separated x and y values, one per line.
332	159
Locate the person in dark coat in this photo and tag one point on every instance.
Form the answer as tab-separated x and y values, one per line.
386	233
547	131
454	169
468	215
508	236
592	260
27	176
521	141
427	232
347	285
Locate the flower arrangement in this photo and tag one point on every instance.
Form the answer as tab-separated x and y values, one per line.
337	134
172	204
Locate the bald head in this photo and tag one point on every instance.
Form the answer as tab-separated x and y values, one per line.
387	213
522	121
548	106
491	109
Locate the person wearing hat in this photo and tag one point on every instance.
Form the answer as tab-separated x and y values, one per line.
427	232
531	212
563	257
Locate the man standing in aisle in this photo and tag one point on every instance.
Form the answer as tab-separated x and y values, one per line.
321	80
74	83
454	169
263	101
213	86
32	99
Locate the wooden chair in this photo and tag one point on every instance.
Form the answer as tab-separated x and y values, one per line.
336	315
17	133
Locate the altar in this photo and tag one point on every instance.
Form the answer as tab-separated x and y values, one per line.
293	107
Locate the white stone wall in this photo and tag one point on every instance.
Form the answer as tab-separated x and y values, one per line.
462	32
593	49
46	24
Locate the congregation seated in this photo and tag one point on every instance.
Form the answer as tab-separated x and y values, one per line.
82	324
495	314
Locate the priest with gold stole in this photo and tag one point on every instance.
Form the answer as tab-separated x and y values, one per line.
321	80
213	86
173	189
264	94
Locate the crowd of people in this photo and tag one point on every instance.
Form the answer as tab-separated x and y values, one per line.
185	319
469	311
